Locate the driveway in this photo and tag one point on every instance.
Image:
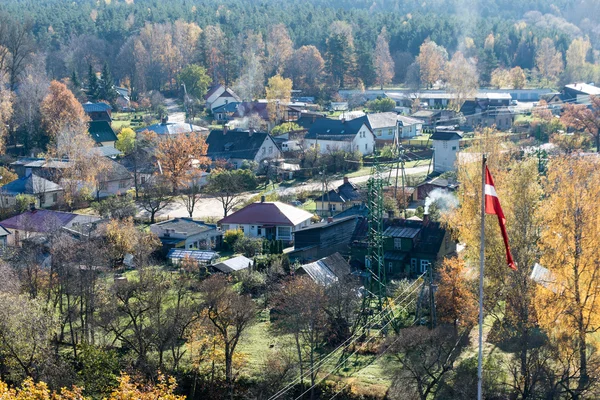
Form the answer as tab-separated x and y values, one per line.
175	112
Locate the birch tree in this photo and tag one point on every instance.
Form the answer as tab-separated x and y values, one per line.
384	64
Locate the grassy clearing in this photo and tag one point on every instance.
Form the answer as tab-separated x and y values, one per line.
310	206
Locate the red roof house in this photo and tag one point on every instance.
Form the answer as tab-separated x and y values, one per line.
270	220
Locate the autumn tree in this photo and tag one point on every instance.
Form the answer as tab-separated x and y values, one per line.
462	78
455	299
228	185
192	192
500	78
125	238
125	140
577	53
279	92
383	62
300	307
196	80
548	60
279	49
517	78
584	119
570	300
212	46
230	313
6	109
61	111
177	156
432	62
306	68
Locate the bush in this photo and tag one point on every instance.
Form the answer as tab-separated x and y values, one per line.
253	283
231	237
249	247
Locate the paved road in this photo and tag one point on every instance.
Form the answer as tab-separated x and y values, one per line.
175	112
210	207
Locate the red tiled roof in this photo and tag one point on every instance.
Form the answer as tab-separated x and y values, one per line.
268	213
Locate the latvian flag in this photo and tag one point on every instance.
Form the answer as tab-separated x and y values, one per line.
492	206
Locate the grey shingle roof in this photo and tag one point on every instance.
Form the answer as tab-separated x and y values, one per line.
331	129
95	107
234	144
31	184
173	128
382	120
452	135
186	225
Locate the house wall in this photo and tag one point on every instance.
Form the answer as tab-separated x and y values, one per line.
410	130
387	133
221	101
214	96
49	200
324	241
108	144
444	155
113	188
257	230
268	150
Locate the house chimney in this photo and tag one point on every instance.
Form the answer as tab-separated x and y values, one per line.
329	220
164	120
425	219
390	214
346	181
262	198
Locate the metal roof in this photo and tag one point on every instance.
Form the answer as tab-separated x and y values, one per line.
198	255
401	232
234	264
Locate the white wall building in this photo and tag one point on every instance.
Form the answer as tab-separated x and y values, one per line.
445	150
329	135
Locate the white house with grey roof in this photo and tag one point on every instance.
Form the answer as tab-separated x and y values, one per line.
329	135
47	193
409	127
446	145
188	234
384	126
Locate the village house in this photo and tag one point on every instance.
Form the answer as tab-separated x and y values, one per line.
326	271
429	118
269	220
336	200
384	126
579	92
219	95
166	128
225	112
102	133
4	233
123	98
409	127
98	111
446	145
46	193
424	188
187	233
321	239
410	246
328	135
237	146
114	180
37	222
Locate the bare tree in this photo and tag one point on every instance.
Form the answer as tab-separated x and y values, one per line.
156	195
192	194
20	45
230	313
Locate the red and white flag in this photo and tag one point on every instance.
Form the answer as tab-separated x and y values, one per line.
492	206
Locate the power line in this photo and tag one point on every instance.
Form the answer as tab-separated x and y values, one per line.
345	344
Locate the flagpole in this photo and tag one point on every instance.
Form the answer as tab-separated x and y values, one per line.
481	264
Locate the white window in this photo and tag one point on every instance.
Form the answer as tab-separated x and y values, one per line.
122	184
445	145
424	265
259	231
397	243
331	207
413	264
453	147
284	233
225	227
379	132
390	131
264	150
54	197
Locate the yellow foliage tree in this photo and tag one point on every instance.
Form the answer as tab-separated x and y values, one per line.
569	304
179	155
455	301
279	90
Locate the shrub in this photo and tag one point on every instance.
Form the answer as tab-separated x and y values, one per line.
231	237
249	247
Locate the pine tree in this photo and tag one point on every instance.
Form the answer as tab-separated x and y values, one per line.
107	91
75	80
93	85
